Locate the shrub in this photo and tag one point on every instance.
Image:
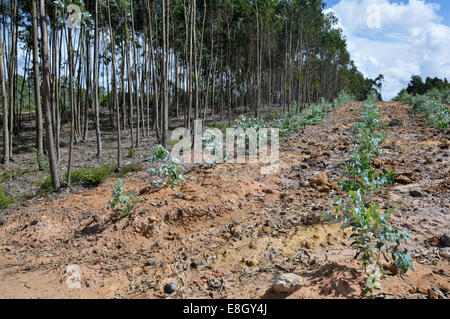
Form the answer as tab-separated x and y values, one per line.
292	121
432	105
159	154
14	174
45	186
129	169
41	160
91	177
211	144
5	199
372	235
169	169
122	203
295	120
221	127
131	152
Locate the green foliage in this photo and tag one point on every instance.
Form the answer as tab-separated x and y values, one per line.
15	174
129	169
169	169
210	145
417	87
295	120
172	143
91	177
159	154
292	121
45	186
360	86
372	236
432	105
5	199
371	232
88	177
221	127
365	149
41	160
131	152
122	203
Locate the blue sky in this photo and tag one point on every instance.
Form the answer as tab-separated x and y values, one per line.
444	10
396	38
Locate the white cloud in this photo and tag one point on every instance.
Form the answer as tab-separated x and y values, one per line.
411	39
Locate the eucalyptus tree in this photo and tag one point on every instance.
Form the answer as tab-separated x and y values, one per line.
37	84
96	83
4	106
46	97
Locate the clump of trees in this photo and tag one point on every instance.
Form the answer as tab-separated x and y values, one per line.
433	105
417	87
142	63
362	87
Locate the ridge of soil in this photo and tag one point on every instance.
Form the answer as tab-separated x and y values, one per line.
228	231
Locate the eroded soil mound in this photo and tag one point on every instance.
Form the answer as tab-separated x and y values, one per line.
229	231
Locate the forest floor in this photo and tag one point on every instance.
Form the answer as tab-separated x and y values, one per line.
228	231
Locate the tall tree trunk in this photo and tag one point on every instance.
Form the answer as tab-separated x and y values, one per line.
96	101
116	99
165	115
136	76
12	74
130	88
153	69
88	87
47	94
72	103
4	107
37	83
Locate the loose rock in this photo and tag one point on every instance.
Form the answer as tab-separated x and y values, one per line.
445	240
251	263
286	283
428	159
415	193
323	189
395	123
377	163
150	261
170	287
2	219
319	180
180	196
237	230
402	179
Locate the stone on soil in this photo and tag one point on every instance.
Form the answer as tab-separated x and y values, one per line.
170	287
323	189
402	179
319	180
445	240
237	230
286	283
415	193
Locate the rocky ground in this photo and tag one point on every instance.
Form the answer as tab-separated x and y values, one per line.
229	232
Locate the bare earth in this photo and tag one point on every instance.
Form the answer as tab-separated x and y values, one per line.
228	231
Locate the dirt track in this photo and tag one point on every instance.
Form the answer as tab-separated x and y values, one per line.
228	231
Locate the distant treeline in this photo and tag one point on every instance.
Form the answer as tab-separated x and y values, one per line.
418	87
